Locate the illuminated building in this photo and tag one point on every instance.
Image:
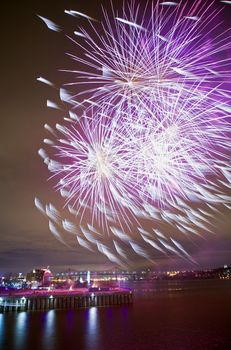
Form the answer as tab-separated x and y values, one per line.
39	277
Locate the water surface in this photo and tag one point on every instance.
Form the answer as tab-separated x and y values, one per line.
166	315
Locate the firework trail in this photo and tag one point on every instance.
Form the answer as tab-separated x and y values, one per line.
149	153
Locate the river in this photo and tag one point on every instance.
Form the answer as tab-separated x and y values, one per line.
165	315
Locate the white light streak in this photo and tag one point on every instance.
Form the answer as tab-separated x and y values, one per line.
51	25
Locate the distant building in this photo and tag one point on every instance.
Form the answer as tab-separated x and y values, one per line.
39	277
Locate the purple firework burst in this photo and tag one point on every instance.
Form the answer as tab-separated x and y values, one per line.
154	133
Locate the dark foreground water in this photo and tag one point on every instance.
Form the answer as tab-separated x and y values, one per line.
165	315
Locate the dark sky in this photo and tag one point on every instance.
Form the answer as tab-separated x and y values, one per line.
30	50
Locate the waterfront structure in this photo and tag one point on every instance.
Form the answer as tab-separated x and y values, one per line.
63	299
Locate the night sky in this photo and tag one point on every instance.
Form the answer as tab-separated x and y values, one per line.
30	50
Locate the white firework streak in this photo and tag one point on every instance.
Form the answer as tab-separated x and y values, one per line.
50	24
130	57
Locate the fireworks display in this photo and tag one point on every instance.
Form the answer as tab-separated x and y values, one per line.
145	148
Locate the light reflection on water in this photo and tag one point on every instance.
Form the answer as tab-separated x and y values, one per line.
20	330
48	335
2	324
92	325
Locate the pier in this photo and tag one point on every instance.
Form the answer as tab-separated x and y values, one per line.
36	300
